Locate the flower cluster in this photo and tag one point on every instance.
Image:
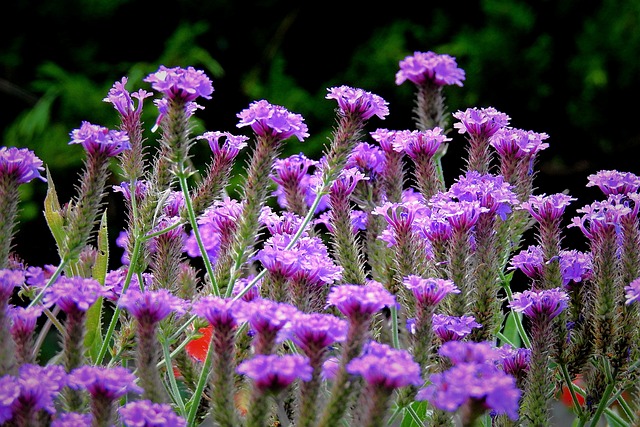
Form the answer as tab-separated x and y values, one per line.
359	288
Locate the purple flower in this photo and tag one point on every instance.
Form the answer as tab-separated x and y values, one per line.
482	383
71	419
315	330
273	121
461	215
429	291
292	168
215	224
480	122
530	261
219	311
385	366
39	386
429	66
152	306
265	315
358	102
576	266
514	361
21	164
419	144
24	319
491	191
353	300
518	143
99	140
461	352
144	413
121	99
614	182
453	328
278	260
9	280
545	304
188	84
103	382
547	208
367	158
74	293
600	217
632	292
9	392
231	146
275	372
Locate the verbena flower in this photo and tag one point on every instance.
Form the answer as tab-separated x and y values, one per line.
419	144
367	158
20	164
314	330
545	304
358	102
632	291
453	328
514	361
39	387
383	365
357	299
429	291
480	122
152	306
186	83
469	352
441	69
9	280
9	392
614	182
276	121
546	208
74	293
275	372
104	382
218	310
99	140
122	100
71	419
144	413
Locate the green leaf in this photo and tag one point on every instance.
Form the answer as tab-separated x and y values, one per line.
419	410
511	330
93	339
53	215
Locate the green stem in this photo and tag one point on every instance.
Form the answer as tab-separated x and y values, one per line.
194	402
175	391
52	279
518	320
574	397
602	405
394	327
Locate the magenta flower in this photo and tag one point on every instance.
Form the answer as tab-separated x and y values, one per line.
600	217
24	319
39	387
429	66
99	140
273	120
188	84
614	182
74	293
367	158
530	261
219	311
429	291
71	419
491	191
9	280
358	102
353	300
453	328
545	304
385	366
632	292
480	122
231	146
514	361
103	382
267	316
275	372
576	266
419	144
144	413
292	168
9	392
315	330
547	208
21	164
215	224
518	143
120	97
461	352
152	306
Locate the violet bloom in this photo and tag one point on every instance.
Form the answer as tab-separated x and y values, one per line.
275	372
144	413
24	319
547	208
353	300
600	217
267	316
453	328
216	225
429	291
152	306
74	293
9	280
9	392
39	387
310	331
576	266
632	292
514	361
429	66
358	102
614	182
530	261
419	144
545	304
103	382
517	143
121	98
21	164
219	311
491	191
273	121
385	366
71	419
187	84
231	146
99	140
368	159
461	352
480	122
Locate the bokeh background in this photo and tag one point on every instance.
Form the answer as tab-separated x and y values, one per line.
567	68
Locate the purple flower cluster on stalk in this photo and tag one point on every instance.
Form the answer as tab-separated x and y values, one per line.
20	163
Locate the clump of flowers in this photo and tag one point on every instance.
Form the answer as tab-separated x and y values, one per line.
359	288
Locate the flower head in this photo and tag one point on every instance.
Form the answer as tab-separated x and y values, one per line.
219	311
24	319
186	83
20	163
460	352
453	328
429	291
9	392
275	372
480	122
152	306
120	97
144	413
419	144
231	146
9	280
547	208
614	182
545	304
39	386
74	293
357	299
71	419
315	330
383	365
514	361
265	315
99	140
429	66
104	382
358	102
273	120
632	292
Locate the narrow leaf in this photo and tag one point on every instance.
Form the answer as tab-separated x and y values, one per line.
93	339
52	213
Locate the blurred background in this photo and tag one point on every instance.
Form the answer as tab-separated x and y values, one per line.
566	68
